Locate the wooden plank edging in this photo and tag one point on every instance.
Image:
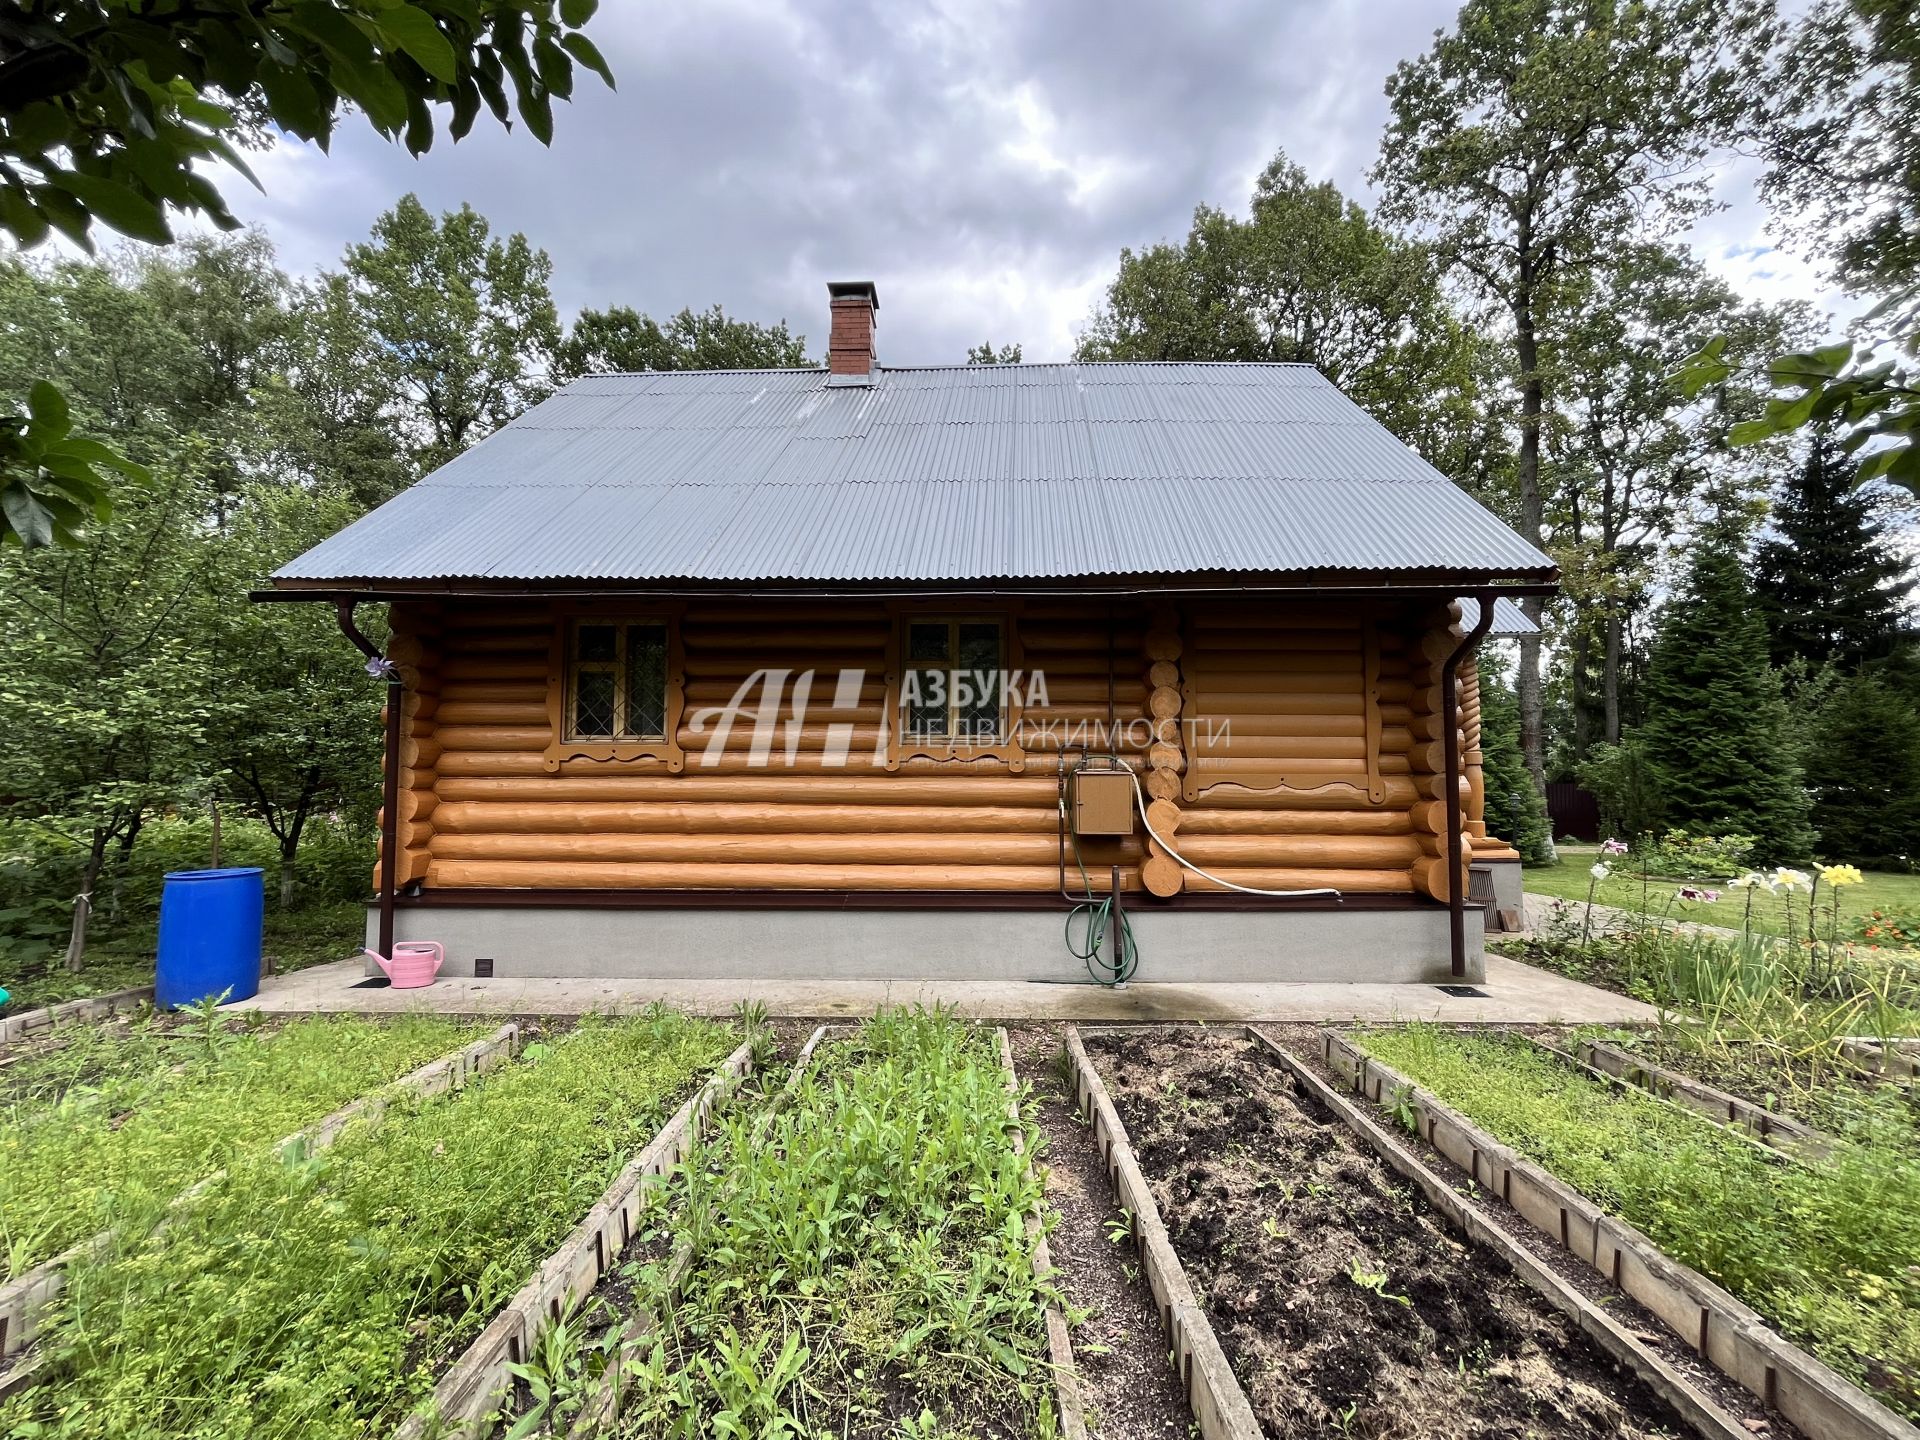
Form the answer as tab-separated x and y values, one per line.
465	1395
24	1299
1066	1379
1892	1064
1220	1407
1780	1132
1470	1220
88	1007
1735	1339
603	1405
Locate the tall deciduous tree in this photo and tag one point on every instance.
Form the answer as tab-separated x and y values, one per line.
622	339
987	353
464	324
1838	120
1716	737
298	731
1831	583
1306	278
108	113
1526	142
107	696
325	416
1630	453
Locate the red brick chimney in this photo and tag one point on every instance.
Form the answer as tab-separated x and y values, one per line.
853	303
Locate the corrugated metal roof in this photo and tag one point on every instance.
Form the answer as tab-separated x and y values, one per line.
1508	617
986	472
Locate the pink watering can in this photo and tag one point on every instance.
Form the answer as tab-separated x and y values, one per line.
414	963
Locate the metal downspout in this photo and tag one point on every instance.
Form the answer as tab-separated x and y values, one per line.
1450	737
382	668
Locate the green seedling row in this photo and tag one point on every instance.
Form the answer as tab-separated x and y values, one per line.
859	1261
1829	1251
321	1296
107	1130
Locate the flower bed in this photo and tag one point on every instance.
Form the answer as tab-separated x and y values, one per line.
1824	1251
320	1297
109	1128
858	1262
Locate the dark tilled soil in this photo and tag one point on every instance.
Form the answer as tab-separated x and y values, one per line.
1345	1306
1120	1350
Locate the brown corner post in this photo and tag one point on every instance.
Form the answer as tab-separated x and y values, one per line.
380	667
1450	739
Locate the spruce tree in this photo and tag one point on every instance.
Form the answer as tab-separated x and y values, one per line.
1515	809
1829	584
1716	734
1863	767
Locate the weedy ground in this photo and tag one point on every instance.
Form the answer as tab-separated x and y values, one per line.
1814	1084
122	1117
859	1263
321	1296
1827	1250
1345	1306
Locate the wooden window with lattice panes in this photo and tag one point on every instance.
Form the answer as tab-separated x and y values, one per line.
954	688
617	680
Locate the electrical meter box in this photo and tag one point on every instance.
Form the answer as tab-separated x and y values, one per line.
1100	802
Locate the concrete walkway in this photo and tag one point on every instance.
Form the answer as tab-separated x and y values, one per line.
1538	910
1515	993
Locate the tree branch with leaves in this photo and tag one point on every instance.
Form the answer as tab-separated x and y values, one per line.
110	113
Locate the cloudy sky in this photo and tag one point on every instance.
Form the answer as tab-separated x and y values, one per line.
983	161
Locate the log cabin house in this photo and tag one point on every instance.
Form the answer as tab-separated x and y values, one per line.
879	672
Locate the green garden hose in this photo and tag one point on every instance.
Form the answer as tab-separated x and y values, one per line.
1096	912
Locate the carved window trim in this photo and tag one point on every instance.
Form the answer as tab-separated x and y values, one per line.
560	672
901	747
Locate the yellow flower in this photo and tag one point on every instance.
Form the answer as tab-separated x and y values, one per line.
1838	875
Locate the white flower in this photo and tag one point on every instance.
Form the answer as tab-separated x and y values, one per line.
1785	879
1600	872
1751	881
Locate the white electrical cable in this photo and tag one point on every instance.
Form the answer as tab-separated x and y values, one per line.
1141	796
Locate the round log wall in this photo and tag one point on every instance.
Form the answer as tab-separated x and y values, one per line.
1282	746
1485	845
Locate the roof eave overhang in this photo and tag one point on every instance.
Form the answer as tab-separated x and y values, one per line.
1347	583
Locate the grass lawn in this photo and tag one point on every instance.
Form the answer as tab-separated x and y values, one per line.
1569	880
121	958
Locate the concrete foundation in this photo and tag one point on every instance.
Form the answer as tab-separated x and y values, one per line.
1181	946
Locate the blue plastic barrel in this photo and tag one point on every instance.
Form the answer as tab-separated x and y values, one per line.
209	936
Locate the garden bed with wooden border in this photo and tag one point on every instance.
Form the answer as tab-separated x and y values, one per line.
602	1407
1732	1337
1291	1328
847	1125
468	1394
91	1007
1220	1407
1768	1127
1897	1063
24	1300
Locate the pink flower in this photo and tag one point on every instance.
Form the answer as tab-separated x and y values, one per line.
1690	892
1613	847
